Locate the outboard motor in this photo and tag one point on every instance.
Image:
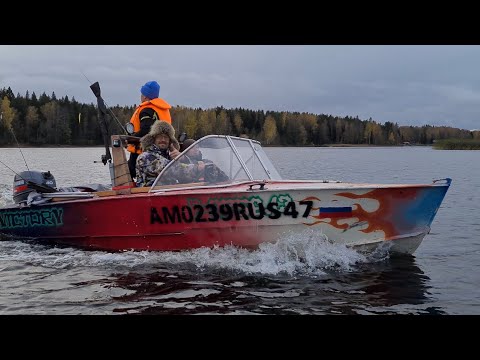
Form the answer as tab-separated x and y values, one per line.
27	181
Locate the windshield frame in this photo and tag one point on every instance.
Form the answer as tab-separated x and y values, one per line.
270	171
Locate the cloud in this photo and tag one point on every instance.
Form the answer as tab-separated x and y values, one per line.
409	85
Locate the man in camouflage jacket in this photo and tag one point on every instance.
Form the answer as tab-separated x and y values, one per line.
159	148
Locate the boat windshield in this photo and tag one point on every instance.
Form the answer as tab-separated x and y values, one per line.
226	159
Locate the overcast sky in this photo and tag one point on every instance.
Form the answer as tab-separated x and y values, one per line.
409	85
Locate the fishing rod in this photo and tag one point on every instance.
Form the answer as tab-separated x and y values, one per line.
18	145
9	168
106	106
44	188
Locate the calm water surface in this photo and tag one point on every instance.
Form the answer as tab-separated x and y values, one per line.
441	278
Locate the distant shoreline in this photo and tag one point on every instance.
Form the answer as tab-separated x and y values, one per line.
457	144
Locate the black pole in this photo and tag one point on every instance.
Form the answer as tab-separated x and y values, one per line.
102	118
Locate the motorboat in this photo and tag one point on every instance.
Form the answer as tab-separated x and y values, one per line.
239	199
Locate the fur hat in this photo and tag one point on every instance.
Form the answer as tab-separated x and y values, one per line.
159	127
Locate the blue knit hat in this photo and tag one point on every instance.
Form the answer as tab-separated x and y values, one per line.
151	90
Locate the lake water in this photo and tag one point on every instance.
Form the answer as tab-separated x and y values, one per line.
441	278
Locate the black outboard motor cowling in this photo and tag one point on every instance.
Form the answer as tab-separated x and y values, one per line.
27	181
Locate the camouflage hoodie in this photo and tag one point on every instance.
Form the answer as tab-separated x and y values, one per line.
153	159
149	164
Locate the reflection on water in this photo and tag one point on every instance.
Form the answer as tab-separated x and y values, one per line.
326	279
392	286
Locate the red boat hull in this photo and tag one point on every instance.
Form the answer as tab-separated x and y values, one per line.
231	215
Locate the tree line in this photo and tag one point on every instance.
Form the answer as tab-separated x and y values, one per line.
48	120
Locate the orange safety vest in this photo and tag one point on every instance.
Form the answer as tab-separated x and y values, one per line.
160	106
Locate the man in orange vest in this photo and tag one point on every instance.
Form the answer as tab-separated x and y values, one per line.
152	108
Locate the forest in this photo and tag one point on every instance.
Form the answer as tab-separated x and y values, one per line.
46	120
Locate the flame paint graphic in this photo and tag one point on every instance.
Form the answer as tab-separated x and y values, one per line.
391	202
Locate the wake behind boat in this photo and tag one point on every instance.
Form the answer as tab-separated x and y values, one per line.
239	199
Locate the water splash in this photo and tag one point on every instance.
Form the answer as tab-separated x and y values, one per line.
295	254
5	195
